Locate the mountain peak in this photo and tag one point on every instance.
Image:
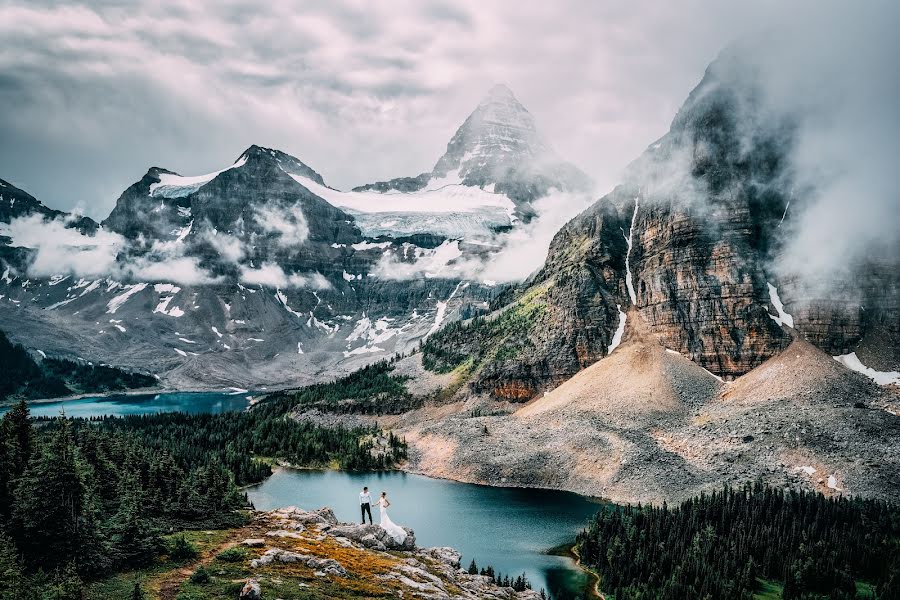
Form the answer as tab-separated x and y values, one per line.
500	131
499	92
284	161
497	148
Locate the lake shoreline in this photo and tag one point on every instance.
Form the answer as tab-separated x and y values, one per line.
587	582
504	485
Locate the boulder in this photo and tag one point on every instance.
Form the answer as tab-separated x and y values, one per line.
322	516
326	565
374	536
251	590
446	555
254	542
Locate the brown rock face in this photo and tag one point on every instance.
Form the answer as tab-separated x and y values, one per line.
700	285
692	241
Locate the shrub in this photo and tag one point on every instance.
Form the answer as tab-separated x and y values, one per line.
200	576
233	554
181	549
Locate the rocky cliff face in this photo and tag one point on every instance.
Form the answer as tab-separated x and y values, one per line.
690	244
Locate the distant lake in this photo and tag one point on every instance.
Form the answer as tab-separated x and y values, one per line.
141	404
509	528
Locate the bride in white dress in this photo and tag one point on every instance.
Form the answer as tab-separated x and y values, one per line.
394	530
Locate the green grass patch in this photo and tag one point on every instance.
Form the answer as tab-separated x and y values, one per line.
485	340
865	590
767	590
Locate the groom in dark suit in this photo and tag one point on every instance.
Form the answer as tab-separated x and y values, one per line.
365	505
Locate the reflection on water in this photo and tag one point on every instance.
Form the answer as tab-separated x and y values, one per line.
511	529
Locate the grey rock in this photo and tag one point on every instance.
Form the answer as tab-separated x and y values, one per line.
251	590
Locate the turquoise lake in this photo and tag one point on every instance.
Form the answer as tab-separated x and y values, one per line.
140	404
509	528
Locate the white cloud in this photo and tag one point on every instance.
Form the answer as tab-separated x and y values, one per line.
513	257
60	250
429	263
185	270
525	247
272	275
289	223
361	91
229	247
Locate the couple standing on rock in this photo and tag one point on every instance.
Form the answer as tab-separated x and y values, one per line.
365	506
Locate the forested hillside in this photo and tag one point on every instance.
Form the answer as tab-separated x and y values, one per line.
23	377
731	544
81	499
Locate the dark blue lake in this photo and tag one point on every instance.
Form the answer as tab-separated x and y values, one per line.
139	404
509	528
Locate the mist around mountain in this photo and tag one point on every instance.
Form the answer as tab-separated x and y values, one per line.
262	274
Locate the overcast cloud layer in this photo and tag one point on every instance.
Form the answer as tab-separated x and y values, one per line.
94	93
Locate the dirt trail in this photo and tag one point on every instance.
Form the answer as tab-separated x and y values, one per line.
172	580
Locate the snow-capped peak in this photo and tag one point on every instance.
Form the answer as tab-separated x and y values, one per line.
499	129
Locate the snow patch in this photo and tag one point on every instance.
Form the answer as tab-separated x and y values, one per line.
629	283
366	245
620	331
442	310
444	206
130	290
176	186
181	352
282	298
852	362
782	318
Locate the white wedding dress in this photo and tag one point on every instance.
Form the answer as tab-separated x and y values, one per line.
394	530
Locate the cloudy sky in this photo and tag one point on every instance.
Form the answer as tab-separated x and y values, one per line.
94	93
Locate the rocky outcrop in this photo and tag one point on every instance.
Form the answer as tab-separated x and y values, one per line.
373	536
338	560
251	590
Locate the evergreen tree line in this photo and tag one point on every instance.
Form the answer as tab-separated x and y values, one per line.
519	583
717	546
372	390
235	440
80	498
77	503
23	377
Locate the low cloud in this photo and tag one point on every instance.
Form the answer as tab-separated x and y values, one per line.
227	246
513	255
524	249
287	222
185	270
272	275
60	250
